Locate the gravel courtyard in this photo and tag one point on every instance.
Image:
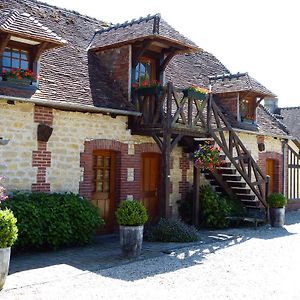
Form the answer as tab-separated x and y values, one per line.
253	264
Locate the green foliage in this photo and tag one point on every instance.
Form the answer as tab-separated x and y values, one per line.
172	231
8	228
215	208
131	213
53	220
276	200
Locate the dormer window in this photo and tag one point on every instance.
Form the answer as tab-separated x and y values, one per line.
145	70
247	110
15	59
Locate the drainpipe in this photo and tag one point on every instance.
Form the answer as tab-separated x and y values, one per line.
284	166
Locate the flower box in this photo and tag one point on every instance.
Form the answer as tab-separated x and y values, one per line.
148	91
15	81
194	94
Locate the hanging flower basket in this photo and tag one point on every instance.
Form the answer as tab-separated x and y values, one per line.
195	92
207	157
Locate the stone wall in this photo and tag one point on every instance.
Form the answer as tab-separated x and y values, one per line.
16	124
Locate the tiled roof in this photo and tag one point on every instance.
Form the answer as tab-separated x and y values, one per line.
195	68
151	26
66	72
239	82
70	74
291	118
22	23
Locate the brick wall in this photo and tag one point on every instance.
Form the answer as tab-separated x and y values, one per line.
41	158
230	104
124	161
116	64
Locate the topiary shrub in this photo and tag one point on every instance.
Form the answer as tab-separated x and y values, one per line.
215	208
276	200
172	231
131	213
8	228
53	220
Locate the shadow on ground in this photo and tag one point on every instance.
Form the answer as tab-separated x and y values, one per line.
104	254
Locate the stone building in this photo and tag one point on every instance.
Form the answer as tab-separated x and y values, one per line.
80	127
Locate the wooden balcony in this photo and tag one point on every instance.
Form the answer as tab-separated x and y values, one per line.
167	109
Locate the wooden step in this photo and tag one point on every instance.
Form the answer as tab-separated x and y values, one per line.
245	196
240	184
241	190
223	170
249	203
232	177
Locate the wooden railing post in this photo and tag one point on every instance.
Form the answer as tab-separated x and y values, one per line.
208	119
196	195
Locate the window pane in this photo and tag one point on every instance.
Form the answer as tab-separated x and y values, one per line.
6	62
24	55
99	161
24	64
15	53
7	52
15	63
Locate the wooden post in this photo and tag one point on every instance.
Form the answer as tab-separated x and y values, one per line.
166	155
267	194
209	111
196	194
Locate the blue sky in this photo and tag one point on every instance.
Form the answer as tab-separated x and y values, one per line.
259	36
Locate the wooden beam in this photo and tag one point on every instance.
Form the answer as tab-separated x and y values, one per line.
175	141
140	52
196	197
166	61
165	178
5	37
38	50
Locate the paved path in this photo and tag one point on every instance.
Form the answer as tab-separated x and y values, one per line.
232	264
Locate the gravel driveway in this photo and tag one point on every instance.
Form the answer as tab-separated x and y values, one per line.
257	264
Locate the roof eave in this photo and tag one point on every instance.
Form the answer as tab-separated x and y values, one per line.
182	47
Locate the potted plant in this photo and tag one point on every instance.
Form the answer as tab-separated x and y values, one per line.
19	76
8	235
277	202
131	216
195	92
147	87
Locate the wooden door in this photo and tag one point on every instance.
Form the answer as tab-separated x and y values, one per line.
150	183
104	186
270	168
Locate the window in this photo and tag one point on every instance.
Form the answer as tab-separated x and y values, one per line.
145	70
247	110
15	59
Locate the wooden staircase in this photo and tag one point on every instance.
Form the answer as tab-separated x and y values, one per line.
239	176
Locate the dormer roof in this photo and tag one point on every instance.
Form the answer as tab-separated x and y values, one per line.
152	27
24	27
240	82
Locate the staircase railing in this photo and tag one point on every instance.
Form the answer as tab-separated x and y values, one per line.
221	131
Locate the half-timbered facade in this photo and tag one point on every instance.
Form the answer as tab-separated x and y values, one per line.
81	127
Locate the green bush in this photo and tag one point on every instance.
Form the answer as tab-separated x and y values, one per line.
53	220
172	231
215	208
8	228
276	200
131	213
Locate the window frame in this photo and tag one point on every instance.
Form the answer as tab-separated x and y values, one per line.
146	59
11	57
